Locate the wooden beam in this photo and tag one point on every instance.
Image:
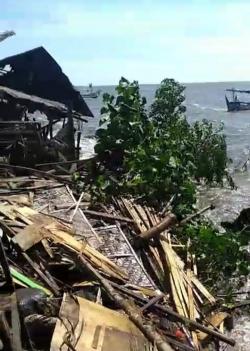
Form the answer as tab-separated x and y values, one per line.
36	172
61	163
169	311
157	229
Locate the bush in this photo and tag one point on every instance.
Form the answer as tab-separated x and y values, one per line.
156	153
219	256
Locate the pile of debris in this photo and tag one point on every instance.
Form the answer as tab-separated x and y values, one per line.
74	277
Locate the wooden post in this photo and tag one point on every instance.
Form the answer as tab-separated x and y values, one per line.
5	267
78	144
50	128
71	133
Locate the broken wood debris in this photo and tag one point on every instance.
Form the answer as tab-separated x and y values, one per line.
84	262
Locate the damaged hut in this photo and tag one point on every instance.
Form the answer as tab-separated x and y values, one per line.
33	81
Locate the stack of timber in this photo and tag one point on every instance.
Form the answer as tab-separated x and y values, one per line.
78	276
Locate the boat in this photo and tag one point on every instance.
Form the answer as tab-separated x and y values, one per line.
90	93
235	104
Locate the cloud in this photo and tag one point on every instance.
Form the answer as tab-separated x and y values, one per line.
144	39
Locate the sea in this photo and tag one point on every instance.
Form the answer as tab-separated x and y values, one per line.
205	101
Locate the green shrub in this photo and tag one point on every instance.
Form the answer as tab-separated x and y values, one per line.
156	153
218	256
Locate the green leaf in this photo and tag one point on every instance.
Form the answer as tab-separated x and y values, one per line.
172	162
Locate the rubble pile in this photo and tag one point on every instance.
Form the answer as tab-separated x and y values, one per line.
107	277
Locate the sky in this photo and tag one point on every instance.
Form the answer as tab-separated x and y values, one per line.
99	41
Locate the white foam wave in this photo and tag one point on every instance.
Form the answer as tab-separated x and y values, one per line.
87	148
208	107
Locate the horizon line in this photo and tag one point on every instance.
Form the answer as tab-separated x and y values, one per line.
194	82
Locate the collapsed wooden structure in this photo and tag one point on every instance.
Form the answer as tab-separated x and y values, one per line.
122	257
36	72
29	82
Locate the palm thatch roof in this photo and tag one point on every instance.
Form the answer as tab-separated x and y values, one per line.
35	72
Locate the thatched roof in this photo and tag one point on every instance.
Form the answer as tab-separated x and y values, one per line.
36	72
32	102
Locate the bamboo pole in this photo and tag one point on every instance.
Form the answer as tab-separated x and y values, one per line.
197	214
83	215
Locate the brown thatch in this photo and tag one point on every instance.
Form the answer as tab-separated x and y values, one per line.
36	72
32	102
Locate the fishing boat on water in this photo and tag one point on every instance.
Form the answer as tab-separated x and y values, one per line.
90	93
236	104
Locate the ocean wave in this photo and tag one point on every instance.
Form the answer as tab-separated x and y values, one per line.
208	107
87	147
219	109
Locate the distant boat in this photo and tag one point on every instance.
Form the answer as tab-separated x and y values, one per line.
234	104
90	94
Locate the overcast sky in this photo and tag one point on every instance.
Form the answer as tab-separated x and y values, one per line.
100	40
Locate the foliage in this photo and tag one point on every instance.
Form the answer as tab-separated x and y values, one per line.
211	160
168	103
126	121
219	256
153	153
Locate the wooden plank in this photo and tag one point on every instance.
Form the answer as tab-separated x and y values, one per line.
142	214
37	172
215	321
151	218
203	290
177	285
33	234
29	236
59	235
61	163
90	326
131	311
52	285
21	199
191	305
151	302
42	227
133	214
16	341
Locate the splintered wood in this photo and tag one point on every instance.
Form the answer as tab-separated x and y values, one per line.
123	252
105	234
188	294
41	227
